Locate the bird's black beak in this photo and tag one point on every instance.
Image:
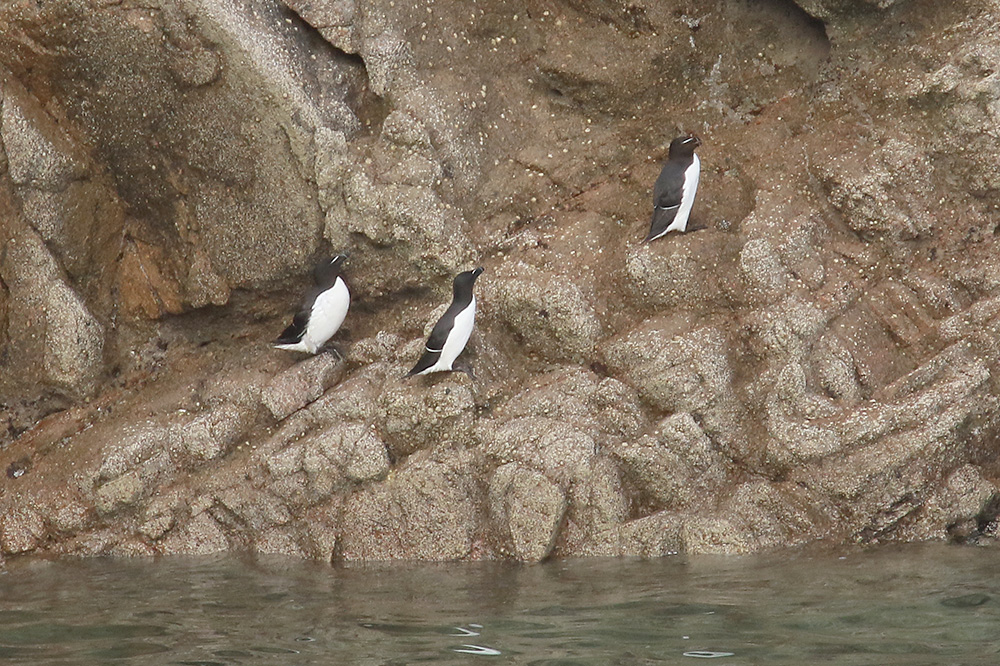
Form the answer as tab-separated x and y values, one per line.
477	272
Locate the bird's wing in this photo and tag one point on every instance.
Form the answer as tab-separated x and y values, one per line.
428	359
669	188
295	330
435	343
662	219
667	195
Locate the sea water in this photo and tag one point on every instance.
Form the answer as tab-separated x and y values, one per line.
926	604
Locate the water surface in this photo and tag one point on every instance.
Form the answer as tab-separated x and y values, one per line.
928	604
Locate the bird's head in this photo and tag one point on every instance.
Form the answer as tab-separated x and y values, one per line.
328	270
683	146
466	279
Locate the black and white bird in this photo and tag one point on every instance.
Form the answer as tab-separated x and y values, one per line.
323	310
451	332
675	189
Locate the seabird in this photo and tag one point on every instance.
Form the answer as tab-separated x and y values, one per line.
452	330
675	189
322	312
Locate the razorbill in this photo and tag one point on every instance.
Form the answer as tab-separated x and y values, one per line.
452	330
675	189
322	312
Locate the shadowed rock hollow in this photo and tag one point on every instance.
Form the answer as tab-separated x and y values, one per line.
817	362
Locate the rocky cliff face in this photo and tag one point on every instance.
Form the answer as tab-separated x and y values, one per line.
817	361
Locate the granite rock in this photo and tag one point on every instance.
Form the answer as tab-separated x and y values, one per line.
528	508
814	360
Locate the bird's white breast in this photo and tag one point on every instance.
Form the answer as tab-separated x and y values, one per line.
688	192
327	315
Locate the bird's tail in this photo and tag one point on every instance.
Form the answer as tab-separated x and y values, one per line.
655	228
662	223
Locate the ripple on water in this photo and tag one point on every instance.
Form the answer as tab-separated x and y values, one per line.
480	650
266	649
128	650
232	653
966	600
8	652
13	616
48	634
